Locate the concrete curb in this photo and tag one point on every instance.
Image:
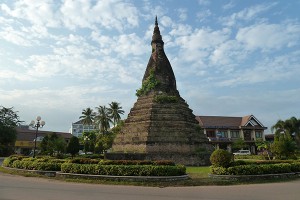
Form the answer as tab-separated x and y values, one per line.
124	178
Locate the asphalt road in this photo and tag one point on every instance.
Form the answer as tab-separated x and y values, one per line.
14	187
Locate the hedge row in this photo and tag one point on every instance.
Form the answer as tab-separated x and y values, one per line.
262	162
99	167
124	170
120	162
32	165
257	169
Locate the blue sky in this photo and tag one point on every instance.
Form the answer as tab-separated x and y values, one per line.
230	58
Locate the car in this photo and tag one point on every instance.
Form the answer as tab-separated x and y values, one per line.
242	152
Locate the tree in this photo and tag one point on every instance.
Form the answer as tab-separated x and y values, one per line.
283	147
9	120
89	141
88	116
115	110
53	143
290	126
239	144
264	146
103	119
73	146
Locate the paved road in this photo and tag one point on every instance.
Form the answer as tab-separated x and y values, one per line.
30	188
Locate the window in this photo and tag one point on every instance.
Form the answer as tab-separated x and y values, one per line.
210	133
222	133
235	134
258	134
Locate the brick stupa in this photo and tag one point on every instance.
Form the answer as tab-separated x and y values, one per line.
161	126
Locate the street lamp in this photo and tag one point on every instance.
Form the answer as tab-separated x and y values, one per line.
38	124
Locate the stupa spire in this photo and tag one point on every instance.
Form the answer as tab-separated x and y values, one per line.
156	38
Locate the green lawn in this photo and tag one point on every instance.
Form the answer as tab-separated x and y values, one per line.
199	172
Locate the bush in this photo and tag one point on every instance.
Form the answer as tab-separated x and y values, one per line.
136	162
257	169
221	158
123	170
165	99
84	161
8	162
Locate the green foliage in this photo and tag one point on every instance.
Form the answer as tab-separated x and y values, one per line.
124	170
239	144
283	147
163	98
289	126
221	158
114	111
89	141
87	117
52	143
45	164
104	142
257	167
84	161
257	157
73	146
103	119
9	120
149	84
136	162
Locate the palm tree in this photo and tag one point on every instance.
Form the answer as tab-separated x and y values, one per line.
103	119
290	126
87	117
115	111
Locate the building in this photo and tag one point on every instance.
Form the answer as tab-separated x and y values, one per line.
223	131
78	128
26	136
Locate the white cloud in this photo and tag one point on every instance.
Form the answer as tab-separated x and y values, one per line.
269	36
270	69
182	14
228	5
203	15
37	12
203	2
107	13
15	37
247	14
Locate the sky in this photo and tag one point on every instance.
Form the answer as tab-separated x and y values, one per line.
229	57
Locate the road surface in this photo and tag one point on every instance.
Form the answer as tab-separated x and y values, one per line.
14	187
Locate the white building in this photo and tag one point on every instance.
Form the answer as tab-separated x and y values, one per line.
78	128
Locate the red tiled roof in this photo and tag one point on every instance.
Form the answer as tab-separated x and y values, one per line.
219	121
29	135
226	122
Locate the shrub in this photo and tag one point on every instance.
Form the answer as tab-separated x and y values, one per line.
257	169
84	161
150	83
218	170
8	162
221	158
124	170
165	99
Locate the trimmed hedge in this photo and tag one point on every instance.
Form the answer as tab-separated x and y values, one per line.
124	170
257	169
136	162
45	164
98	167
